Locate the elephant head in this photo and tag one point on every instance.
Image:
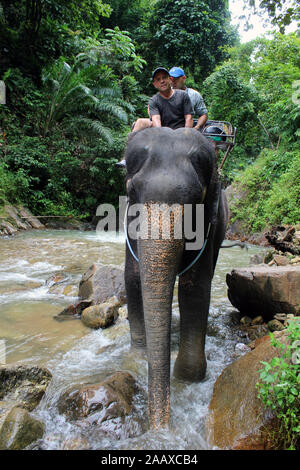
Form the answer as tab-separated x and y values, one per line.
167	168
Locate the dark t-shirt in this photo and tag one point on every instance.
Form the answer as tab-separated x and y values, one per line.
172	110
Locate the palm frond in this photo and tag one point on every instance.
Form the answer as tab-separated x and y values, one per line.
87	127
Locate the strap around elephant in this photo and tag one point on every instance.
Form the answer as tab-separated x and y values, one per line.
136	258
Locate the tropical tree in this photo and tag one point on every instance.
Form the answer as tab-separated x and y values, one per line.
86	98
191	33
78	108
281	13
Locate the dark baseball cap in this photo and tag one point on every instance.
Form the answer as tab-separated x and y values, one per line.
159	69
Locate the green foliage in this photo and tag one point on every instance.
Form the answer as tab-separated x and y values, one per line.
231	98
283	203
270	191
279	386
191	33
280	12
13	185
79	109
36	31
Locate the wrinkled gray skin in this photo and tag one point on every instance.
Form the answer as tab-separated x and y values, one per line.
167	166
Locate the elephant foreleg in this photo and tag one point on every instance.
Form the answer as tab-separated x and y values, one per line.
134	303
194	299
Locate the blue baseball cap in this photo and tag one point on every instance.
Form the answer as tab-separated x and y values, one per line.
176	72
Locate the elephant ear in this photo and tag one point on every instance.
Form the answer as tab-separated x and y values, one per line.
137	152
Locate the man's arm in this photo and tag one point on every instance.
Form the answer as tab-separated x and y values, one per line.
199	107
156	120
201	121
188	120
154	112
188	110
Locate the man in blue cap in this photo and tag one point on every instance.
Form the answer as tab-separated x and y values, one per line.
168	108
178	79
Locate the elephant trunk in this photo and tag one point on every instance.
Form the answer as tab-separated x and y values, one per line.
159	262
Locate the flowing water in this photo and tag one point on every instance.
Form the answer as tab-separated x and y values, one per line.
39	276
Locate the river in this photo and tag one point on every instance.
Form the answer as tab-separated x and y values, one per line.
73	353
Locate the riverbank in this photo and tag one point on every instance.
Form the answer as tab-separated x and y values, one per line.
17	218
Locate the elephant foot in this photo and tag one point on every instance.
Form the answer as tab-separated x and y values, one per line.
190	372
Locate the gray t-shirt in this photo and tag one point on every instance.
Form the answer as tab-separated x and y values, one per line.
172	110
197	102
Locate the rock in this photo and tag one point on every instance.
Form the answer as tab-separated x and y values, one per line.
275	325
19	429
257	259
281	260
257	320
295	260
56	279
73	311
33	221
25	385
237	419
241	348
289	318
100	402
246	320
281	237
123	313
269	256
101	316
281	317
101	282
252	332
265	289
12	213
7	228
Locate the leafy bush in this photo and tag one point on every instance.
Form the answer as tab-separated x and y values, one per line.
271	191
279	387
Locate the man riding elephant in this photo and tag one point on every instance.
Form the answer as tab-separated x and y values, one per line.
168	108
178	79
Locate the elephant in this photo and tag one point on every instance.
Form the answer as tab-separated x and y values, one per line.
166	166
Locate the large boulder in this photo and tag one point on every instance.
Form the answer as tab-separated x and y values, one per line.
237	419
265	290
25	214
24	385
101	282
102	315
18	429
100	402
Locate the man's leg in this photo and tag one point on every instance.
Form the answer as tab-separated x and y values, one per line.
141	123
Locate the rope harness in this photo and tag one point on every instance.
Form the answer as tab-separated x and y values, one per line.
194	260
